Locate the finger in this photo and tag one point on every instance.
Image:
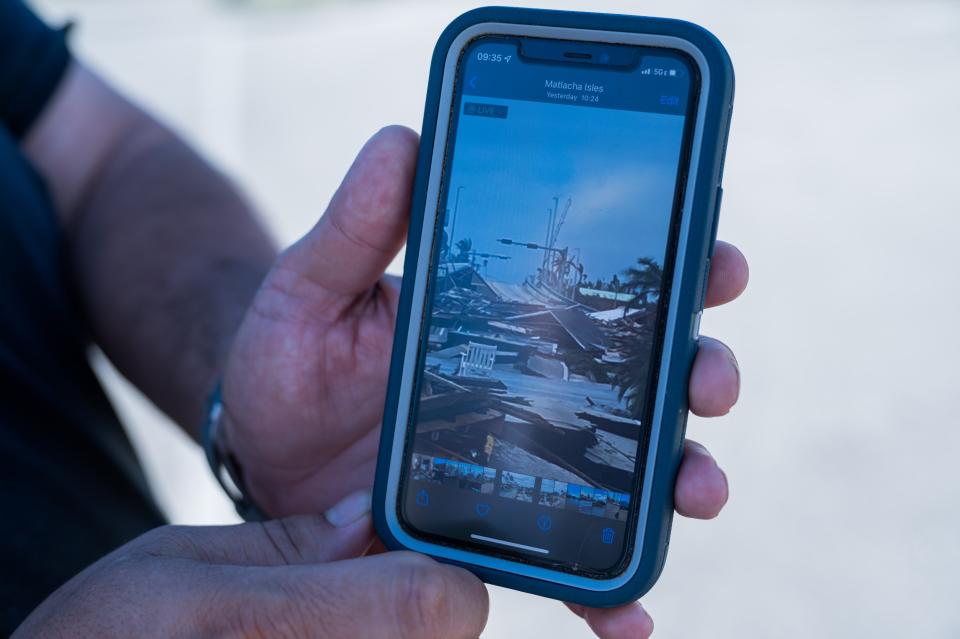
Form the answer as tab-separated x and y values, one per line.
621	622
366	222
701	490
729	274
714	379
390	595
345	531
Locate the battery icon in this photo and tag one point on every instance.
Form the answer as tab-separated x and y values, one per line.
673	72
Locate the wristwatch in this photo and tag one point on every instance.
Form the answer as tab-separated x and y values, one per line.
223	463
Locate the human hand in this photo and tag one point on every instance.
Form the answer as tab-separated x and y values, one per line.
295	577
701	490
305	381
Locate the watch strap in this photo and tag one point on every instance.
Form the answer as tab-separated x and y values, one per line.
223	463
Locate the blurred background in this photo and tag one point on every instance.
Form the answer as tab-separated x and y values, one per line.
842	186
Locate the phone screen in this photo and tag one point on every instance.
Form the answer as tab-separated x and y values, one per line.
559	206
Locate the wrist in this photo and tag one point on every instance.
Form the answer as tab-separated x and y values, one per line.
223	461
273	492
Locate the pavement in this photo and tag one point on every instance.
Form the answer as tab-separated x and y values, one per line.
841	187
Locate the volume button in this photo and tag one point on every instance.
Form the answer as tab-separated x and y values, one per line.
704	281
718	200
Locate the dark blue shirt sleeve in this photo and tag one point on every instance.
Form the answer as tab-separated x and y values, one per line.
33	59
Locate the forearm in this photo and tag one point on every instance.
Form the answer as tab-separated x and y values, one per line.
166	256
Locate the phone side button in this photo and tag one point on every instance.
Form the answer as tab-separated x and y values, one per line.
704	283
695	334
718	200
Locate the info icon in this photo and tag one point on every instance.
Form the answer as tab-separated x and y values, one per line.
544	523
606	536
423	498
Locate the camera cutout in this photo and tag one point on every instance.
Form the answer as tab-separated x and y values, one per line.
595	54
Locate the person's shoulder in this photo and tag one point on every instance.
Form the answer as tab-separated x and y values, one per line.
33	59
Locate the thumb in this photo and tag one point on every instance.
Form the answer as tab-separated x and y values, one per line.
344	531
392	595
365	225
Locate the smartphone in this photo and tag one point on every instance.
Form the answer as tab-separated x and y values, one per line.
563	219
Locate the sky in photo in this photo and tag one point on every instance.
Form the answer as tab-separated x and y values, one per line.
618	167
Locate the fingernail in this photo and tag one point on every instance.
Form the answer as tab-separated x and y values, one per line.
649	628
732	358
350	509
645	622
698	448
726	486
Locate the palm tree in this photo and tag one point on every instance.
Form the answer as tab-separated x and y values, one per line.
635	344
635	340
642	280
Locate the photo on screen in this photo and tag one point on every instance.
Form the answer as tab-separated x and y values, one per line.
552	493
517	486
624	502
472	477
585	505
547	288
599	503
451	468
421	466
614	506
489	481
426	468
573	497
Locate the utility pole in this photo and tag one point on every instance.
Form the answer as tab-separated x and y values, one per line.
453	223
551	215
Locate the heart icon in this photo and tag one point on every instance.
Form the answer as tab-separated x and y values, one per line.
482	509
